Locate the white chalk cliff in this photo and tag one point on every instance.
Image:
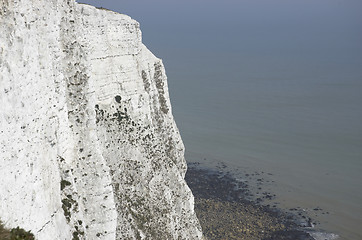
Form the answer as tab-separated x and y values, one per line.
88	145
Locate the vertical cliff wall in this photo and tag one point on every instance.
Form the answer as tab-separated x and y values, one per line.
88	145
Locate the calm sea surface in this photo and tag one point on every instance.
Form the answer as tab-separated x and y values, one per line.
273	86
307	133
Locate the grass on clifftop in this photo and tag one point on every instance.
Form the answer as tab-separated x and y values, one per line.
14	234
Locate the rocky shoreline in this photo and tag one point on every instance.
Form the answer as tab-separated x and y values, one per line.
226	211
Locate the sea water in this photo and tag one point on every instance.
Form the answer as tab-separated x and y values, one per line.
268	86
286	103
305	129
307	134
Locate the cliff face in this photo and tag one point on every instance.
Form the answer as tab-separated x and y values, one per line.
88	145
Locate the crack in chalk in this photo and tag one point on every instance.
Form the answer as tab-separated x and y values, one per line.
118	55
110	56
51	216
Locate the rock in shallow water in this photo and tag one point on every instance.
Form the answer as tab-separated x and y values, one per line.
88	146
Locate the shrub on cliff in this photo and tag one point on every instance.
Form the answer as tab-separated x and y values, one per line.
15	234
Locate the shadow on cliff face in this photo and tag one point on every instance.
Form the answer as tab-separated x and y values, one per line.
225	210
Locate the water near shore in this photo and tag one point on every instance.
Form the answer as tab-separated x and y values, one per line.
225	210
289	105
306	134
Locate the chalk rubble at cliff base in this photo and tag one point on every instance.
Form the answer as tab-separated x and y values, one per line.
88	145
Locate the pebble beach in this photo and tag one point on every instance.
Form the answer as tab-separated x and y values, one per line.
225	210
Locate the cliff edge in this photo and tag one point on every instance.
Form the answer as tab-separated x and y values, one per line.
88	145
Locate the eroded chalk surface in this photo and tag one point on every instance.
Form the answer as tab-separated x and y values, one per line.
88	145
